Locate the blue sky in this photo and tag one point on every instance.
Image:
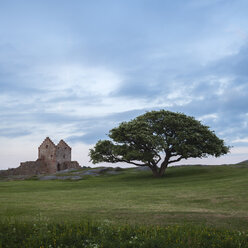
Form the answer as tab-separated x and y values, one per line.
75	69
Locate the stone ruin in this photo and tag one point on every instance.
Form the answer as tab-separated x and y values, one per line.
51	158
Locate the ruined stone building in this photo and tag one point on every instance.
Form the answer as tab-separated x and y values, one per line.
51	158
57	157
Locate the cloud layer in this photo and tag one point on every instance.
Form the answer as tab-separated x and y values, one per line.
76	70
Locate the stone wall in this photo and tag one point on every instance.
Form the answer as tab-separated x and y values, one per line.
28	168
33	168
63	152
36	168
69	165
47	151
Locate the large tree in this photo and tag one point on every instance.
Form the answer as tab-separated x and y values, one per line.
157	139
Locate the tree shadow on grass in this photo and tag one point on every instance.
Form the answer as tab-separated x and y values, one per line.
186	171
171	173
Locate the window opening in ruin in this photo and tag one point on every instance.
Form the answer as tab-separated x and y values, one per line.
64	156
58	167
46	146
65	148
51	156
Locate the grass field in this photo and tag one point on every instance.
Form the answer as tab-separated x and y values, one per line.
201	195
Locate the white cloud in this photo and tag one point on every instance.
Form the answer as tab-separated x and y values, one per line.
241	140
213	116
223	84
15	151
80	79
239	150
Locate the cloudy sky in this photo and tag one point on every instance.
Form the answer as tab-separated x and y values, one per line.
75	69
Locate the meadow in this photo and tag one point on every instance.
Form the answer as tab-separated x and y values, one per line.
210	200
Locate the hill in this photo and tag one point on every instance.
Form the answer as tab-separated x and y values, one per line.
243	162
211	195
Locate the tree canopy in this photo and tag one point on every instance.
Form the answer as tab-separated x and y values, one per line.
157	139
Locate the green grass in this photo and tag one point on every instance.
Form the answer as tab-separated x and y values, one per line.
214	196
104	235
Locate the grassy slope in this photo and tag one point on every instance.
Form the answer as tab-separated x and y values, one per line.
203	195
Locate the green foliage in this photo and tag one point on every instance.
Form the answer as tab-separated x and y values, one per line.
96	235
144	140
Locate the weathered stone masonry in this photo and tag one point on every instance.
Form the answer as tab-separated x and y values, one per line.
51	158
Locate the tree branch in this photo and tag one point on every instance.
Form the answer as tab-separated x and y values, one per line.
129	162
176	160
159	157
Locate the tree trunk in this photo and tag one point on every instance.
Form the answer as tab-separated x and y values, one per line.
155	171
159	172
162	169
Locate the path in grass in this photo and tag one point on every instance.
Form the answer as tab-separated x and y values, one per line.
214	195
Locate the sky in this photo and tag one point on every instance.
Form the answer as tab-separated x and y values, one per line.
73	70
